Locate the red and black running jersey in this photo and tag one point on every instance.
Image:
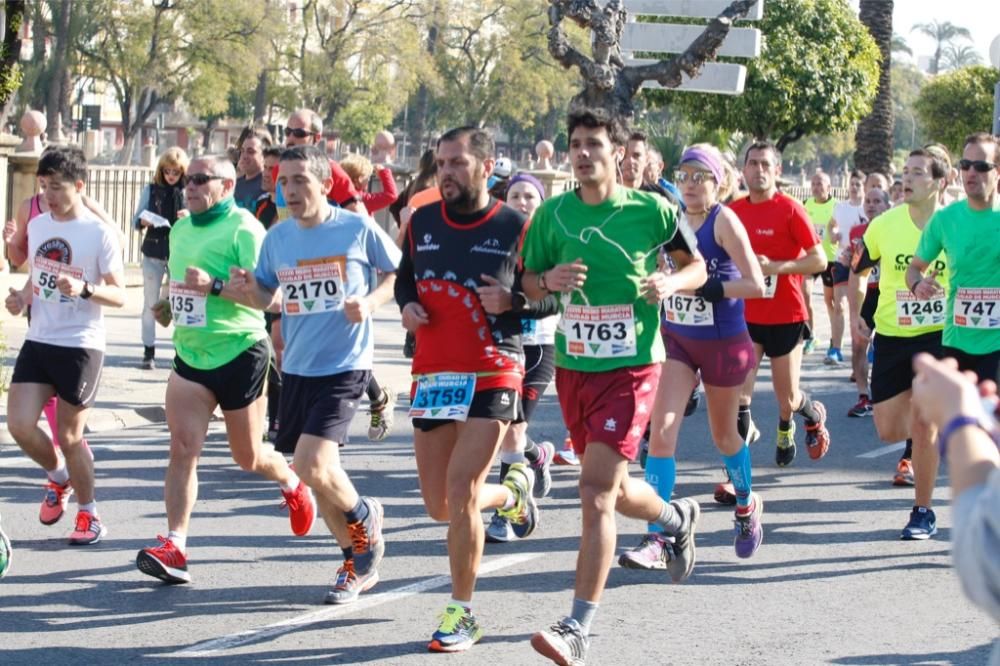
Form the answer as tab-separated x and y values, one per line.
444	256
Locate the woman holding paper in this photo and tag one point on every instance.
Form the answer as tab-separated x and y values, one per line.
161	204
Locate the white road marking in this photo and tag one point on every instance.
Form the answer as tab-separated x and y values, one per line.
223	643
884	450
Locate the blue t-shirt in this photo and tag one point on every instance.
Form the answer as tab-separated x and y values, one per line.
320	341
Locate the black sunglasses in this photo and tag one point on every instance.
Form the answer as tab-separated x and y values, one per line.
200	179
982	166
298	132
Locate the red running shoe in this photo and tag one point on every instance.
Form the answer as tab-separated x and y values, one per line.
165	562
89	529
54	504
301	509
817	436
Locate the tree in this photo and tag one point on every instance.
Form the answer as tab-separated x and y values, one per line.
817	74
907	81
11	18
957	57
956	104
873	139
943	33
899	45
608	82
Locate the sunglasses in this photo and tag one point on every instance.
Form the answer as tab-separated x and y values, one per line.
698	177
297	132
200	179
982	166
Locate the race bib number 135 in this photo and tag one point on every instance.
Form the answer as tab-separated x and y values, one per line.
187	306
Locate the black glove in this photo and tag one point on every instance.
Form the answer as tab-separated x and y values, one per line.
711	291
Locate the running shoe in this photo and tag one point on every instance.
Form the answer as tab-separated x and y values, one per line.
904	473
499	529
753	434
652	553
681	562
366	538
749	531
809	347
692	403
784	454
458	630
643	453
6	553
833	357
523	516
301	509
862	409
88	530
348	584
725	493
563	643
164	561
54	503
380	424
543	469
817	436
566	455
922	525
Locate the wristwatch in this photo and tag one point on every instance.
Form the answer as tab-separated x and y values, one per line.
217	286
87	291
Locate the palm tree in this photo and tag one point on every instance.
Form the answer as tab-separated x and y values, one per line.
873	138
899	45
956	57
943	34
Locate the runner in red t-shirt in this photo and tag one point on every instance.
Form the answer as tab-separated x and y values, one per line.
788	248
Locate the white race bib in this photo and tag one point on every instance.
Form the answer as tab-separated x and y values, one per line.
443	396
977	308
45	273
187	306
603	331
312	289
689	310
911	311
770	286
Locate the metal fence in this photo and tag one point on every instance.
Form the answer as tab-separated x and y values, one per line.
118	189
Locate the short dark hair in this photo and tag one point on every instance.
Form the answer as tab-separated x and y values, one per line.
984	137
255	132
638	135
939	168
762	145
316	160
859	174
68	163
480	141
272	151
597	118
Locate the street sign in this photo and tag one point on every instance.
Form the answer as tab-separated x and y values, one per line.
670	38
995	52
722	78
688	8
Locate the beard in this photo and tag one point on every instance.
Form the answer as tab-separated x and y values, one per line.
463	197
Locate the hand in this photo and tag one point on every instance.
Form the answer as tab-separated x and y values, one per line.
566	277
243	282
766	267
928	287
414	316
183	212
15	302
860	330
69	286
657	287
495	297
197	279
9	229
357	309
941	392
162	313
145	224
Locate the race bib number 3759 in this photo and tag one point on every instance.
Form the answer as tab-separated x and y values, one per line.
443	396
603	331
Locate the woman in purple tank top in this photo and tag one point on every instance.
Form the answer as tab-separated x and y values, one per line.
704	331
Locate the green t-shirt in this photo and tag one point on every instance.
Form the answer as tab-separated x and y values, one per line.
819	215
891	238
971	241
618	241
227	329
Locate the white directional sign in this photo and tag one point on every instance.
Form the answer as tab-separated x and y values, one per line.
669	38
688	8
716	77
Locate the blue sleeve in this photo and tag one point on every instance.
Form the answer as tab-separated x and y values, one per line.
279	196
381	250
143	205
265	273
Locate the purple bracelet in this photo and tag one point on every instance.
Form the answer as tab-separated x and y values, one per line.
954	424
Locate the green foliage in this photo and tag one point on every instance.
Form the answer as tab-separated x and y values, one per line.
956	104
817	74
364	116
906	84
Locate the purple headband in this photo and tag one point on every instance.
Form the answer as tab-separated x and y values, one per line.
526	178
696	154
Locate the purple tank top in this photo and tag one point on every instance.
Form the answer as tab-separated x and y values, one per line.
35	208
727	314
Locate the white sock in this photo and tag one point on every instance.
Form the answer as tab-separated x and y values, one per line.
60	474
511	501
463	604
89	507
511	457
179	540
293	482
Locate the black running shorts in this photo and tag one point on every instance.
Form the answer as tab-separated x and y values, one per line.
73	372
236	384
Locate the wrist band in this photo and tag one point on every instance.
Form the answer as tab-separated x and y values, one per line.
541	281
954	424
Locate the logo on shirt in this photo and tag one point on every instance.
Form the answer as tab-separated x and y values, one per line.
56	249
764	232
491	246
428	245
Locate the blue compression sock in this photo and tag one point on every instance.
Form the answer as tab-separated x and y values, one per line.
661	473
738	466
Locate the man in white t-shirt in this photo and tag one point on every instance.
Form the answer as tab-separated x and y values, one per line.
846	215
76	268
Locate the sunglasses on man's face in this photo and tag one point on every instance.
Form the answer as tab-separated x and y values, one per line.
982	166
200	179
297	132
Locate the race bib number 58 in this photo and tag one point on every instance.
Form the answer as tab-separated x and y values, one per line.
44	275
604	331
977	308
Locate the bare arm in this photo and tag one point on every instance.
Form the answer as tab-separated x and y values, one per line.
732	235
16	235
813	262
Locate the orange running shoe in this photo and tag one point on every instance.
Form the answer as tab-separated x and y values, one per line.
366	538
904	473
165	562
817	436
89	529
349	584
54	504
301	509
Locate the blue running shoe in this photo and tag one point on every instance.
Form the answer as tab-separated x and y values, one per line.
457	632
749	531
922	525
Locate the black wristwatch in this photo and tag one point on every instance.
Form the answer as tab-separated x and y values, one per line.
517	301
217	286
87	291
